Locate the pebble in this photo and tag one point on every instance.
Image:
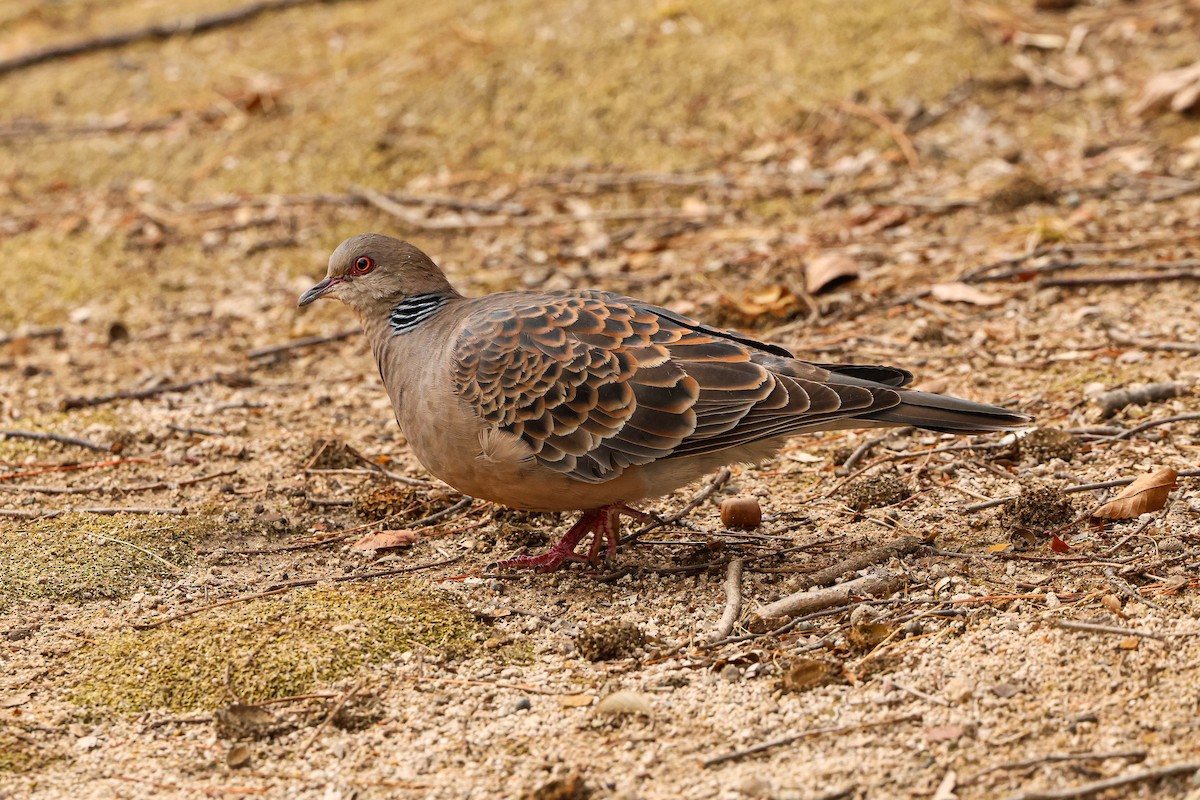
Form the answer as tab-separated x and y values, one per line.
523	704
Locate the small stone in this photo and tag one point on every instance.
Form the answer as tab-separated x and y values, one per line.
523	704
731	673
625	702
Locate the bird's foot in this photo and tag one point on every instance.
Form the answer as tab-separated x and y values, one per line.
601	523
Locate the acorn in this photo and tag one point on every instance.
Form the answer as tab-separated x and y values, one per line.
741	512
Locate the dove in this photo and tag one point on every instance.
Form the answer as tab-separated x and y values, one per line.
591	401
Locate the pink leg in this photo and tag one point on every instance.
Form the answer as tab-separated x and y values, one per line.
601	523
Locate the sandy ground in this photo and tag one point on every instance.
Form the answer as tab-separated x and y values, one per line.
158	230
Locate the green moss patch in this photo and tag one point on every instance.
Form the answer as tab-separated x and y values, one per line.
80	557
271	647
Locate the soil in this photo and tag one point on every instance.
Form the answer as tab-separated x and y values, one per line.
183	609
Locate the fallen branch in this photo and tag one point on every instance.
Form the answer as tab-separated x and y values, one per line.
795	737
1145	426
806	602
1112	402
296	344
237	381
1083	487
31	333
861	560
1095	787
733	601
145	487
31	514
1054	758
1094	627
157	31
1121	280
1153	344
887	126
710	488
333	712
55	437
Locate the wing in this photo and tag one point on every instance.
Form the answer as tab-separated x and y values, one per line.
595	383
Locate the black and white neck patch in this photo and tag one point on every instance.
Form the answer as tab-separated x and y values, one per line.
412	311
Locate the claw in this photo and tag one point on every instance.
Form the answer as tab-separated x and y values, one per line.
601	523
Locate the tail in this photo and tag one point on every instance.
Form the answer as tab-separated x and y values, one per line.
933	412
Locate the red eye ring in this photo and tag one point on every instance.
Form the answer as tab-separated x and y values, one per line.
362	265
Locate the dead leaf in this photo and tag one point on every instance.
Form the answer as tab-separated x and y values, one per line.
1146	494
1058	545
1007	690
238	756
1113	604
1175	89
870	634
15	699
999	548
1129	643
944	733
383	540
805	673
774	300
576	700
828	270
958	292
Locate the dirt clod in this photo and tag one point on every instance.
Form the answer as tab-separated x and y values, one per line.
1038	507
609	640
873	491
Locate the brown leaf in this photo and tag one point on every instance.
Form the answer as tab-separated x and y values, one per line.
15	699
999	547
1148	493
1007	690
958	292
805	673
576	700
774	300
382	540
827	270
944	733
1058	545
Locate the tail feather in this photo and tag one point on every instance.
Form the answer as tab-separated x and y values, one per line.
947	414
935	412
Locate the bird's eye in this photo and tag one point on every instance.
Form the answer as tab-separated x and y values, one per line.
362	266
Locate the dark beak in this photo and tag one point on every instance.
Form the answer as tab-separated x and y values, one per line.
319	290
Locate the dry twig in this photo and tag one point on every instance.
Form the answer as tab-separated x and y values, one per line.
55	437
795	737
1095	787
1095	627
296	344
806	602
157	31
733	601
333	712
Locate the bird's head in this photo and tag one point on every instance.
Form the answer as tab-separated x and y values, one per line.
373	272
